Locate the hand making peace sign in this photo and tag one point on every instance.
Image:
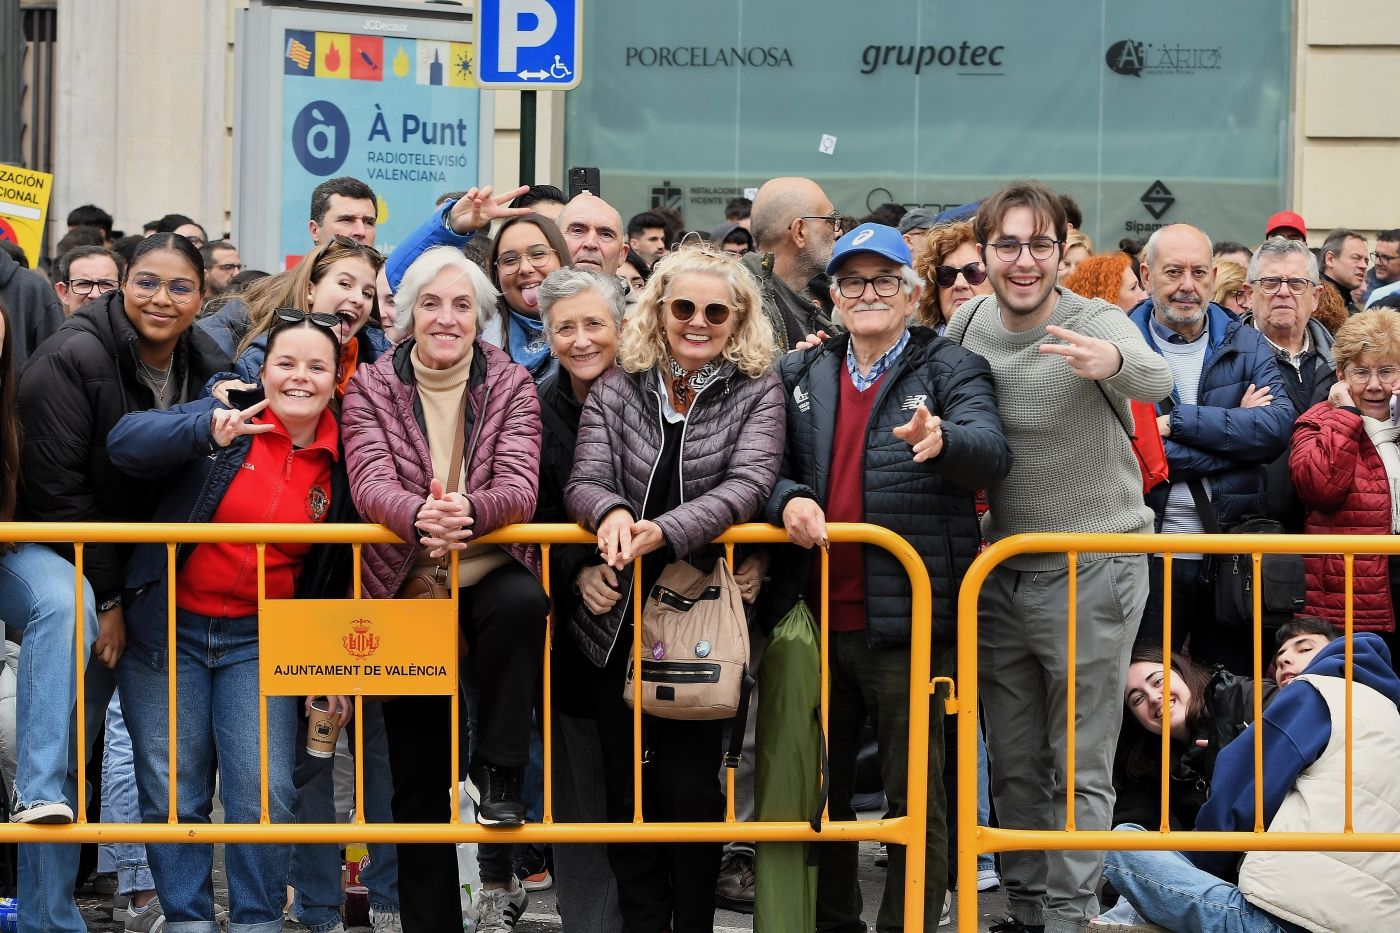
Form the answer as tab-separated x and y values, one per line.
227	423
1089	357
477	208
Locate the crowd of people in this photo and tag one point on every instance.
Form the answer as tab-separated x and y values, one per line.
956	377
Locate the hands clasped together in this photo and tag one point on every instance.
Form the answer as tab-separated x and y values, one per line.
445	521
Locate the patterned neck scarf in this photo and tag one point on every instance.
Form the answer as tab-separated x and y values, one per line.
686	385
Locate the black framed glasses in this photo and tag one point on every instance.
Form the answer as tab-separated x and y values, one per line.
1379	257
834	218
853	286
1270	284
537	256
683	309
320	319
84	287
1041	248
974	272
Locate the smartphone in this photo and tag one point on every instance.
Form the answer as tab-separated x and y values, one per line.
1395	409
584	178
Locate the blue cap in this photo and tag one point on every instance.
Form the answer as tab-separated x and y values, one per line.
871	238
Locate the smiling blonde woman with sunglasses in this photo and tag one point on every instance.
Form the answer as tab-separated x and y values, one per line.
680	442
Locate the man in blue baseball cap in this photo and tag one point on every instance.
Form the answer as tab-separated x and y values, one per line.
894	425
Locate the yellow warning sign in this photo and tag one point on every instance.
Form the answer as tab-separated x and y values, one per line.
24	203
390	647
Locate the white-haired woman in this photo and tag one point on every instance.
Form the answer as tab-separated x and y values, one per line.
679	443
582	315
440	397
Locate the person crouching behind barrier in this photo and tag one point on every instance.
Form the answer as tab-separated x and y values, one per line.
443	395
675	446
276	461
1304	772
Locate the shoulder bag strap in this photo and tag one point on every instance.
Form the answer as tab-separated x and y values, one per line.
1209	523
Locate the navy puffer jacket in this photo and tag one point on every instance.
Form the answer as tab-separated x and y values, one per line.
1216	439
930	504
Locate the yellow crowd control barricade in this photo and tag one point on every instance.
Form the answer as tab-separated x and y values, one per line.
366	648
974	840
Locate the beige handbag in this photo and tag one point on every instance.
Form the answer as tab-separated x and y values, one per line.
695	645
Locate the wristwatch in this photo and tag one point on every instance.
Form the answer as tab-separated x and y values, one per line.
109	604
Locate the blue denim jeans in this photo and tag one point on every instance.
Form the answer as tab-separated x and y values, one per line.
36	600
120	803
1167	889
217	733
984	798
315	871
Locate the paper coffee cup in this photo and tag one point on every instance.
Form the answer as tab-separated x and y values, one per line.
322	729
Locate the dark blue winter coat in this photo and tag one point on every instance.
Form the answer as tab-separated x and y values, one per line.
1215	438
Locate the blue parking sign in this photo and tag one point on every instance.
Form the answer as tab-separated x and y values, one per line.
522	44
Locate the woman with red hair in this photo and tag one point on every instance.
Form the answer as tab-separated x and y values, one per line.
1109	276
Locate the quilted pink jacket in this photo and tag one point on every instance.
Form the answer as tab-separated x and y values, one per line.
386	455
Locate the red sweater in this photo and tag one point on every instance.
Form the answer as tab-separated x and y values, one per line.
277	483
845	502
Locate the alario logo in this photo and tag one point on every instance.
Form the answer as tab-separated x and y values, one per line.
1134	58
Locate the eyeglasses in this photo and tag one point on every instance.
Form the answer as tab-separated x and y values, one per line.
1270	284
853	286
509	262
1041	248
181	291
1380	257
234	267
84	287
1362	376
947	276
683	309
834	218
591	328
320	319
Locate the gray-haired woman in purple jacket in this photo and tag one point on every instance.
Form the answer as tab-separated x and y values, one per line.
679	443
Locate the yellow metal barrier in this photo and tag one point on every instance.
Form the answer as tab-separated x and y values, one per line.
907	830
974	840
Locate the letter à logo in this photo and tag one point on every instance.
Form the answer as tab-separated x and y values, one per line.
1126	57
361	642
803	400
912	402
321	138
668	196
1157	199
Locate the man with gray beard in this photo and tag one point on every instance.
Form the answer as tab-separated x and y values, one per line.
1228	415
795	228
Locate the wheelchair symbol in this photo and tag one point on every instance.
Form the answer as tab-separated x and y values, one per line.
559	69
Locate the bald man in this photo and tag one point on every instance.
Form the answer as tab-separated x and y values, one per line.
794	227
1229	415
593	229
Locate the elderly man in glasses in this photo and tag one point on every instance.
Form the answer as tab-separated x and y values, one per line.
1228	415
1284	284
897	426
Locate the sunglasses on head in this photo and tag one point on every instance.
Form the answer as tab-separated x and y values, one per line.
683	309
297	316
945	276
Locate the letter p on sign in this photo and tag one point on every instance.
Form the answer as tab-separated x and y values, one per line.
524	24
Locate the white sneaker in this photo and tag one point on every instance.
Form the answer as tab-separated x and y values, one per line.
44	813
387	921
988	879
947	918
497	910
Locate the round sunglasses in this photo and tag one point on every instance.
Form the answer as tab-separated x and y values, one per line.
683	309
974	272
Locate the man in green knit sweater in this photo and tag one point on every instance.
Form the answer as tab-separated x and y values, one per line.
1065	369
